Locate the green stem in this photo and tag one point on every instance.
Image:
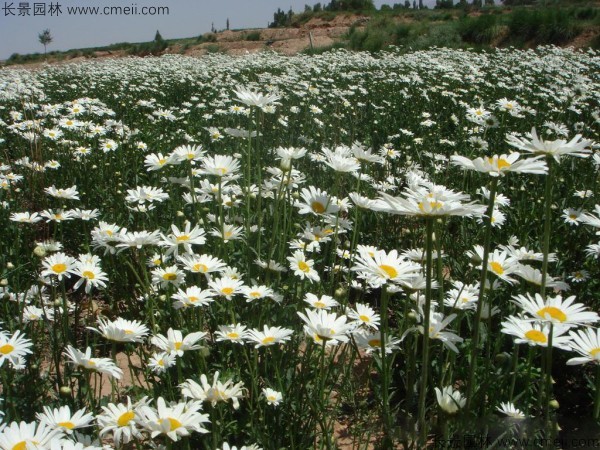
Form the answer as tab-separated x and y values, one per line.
547	223
426	321
387	425
480	301
597	399
515	366
547	381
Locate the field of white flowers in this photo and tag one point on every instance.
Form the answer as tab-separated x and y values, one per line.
270	252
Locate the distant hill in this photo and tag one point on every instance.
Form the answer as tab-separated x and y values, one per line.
573	23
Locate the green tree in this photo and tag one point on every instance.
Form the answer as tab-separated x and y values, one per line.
45	38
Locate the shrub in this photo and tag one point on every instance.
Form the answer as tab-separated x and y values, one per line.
207	37
441	36
479	30
214	48
252	36
550	26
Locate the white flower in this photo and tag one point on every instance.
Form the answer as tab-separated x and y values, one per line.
272	397
450	400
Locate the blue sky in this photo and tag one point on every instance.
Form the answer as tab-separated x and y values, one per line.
186	18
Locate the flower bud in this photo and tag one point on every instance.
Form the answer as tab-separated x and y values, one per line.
65	391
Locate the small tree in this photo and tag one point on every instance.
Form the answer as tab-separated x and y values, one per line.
45	38
227	23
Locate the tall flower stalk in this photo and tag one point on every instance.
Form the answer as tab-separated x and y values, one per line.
484	269
426	321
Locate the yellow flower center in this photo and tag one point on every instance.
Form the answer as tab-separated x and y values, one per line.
59	268
128	331
67	425
255	294
268	340
233	335
20	446
193	299
200	268
317	207
271	398
303	267
433	205
319	304
553	312
183	238
125	418
503	163
178	345
364	318
173	423
497	268
162	162
6	349
594	352
536	336
88	274
389	271
227	290
375	342
221	170
227	234
170	276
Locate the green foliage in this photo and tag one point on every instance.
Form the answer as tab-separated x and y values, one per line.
214	48
45	37
207	37
350	5
377	35
148	48
444	35
281	18
543	26
252	36
479	30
